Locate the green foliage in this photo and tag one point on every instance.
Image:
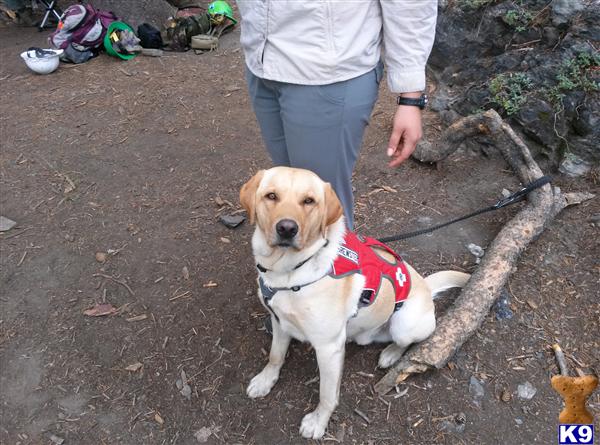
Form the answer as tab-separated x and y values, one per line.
518	18
509	90
574	75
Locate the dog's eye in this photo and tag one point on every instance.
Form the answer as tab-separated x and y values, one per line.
309	201
272	196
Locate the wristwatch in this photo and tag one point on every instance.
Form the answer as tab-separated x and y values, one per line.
420	102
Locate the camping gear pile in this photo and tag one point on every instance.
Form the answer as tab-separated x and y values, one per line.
84	31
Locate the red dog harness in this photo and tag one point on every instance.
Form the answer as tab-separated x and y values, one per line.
357	255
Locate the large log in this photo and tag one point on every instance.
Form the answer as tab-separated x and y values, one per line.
476	299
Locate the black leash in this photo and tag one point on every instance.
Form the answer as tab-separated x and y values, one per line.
511	199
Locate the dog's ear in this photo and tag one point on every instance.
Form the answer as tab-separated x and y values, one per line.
248	195
333	208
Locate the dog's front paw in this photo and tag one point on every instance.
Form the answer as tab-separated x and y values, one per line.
313	425
390	355
262	383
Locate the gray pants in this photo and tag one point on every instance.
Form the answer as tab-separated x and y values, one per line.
319	128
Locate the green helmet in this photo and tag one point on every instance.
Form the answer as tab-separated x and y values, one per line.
221	7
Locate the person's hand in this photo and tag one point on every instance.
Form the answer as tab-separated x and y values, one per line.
406	132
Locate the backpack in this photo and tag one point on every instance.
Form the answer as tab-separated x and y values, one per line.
179	31
149	36
83	27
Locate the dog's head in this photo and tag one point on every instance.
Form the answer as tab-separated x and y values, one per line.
292	207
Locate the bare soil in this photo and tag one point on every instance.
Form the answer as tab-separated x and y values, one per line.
137	159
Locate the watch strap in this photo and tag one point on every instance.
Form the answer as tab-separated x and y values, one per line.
415	102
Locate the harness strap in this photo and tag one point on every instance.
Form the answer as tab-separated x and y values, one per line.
267	294
274	290
366	300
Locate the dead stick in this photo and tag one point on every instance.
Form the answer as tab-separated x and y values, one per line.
22	258
560	358
362	415
185	294
122	283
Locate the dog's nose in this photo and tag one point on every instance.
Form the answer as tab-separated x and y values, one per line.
286	228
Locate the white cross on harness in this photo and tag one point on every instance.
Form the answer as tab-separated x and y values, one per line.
400	277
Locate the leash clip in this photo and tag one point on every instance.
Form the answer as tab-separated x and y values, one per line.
520	194
517	196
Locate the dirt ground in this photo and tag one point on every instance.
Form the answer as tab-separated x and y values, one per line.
137	159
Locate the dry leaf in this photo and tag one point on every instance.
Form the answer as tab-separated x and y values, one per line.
219	201
532	304
134	367
99	310
186	273
138	318
70	184
158	419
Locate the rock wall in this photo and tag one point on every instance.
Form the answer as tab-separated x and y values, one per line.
155	12
534	61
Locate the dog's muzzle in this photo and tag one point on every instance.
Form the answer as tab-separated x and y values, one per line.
287	230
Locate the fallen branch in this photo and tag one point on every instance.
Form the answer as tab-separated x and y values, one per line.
560	358
476	299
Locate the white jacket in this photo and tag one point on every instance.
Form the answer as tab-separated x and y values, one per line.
317	42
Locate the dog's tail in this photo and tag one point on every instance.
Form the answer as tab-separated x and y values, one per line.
447	279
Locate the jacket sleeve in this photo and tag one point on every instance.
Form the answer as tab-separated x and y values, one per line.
408	34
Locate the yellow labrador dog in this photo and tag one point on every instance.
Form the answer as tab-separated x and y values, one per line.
300	238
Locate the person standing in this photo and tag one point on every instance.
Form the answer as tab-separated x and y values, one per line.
313	70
